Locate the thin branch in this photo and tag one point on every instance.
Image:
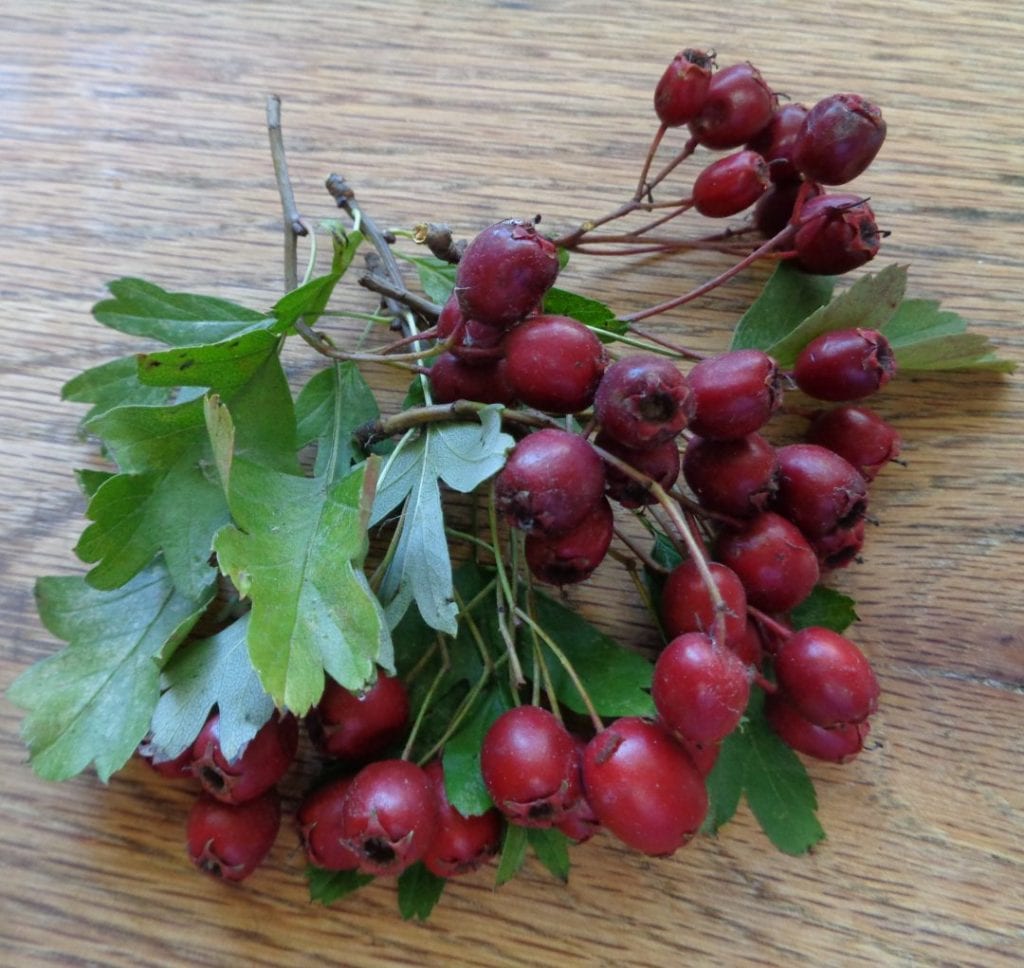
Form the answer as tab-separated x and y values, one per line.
293	224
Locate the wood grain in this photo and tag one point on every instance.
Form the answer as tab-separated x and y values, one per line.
133	143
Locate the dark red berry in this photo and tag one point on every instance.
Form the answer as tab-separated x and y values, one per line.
321	828
686	604
731	184
231	840
839	745
478	344
579	823
389	816
734	394
570	558
172	768
774	209
735	477
703	756
357	727
530	767
461	844
845	364
643	401
839	547
837	233
261	763
777	142
554	363
738	104
551	481
450	320
700	689
644	787
772	558
750	646
660	464
452	378
505	272
826	677
818	490
840	137
681	91
857	434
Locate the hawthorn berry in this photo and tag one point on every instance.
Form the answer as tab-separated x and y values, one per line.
735	477
660	464
461	844
230	840
836	233
737	106
857	434
686	604
731	184
681	91
777	142
570	558
838	745
643	401
452	378
818	491
734	393
839	138
845	364
319	818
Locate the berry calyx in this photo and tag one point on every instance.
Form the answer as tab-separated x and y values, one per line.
683	87
228	840
643	401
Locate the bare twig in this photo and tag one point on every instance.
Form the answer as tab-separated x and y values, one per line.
293	224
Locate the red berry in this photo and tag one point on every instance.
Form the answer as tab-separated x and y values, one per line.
837	233
231	840
579	823
734	394
735	477
570	558
845	364
826	677
840	546
681	91
772	558
750	646
704	757
700	689
262	762
357	727
530	766
504	273
686	604
452	378
660	464
737	106
176	768
774	209
839	745
777	142
321	829
389	816
643	401
729	185
461	844
554	363
818	490
551	481
857	434
478	344
839	138
644	787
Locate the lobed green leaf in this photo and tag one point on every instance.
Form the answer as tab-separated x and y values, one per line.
551	848
788	297
326	887
825	607
419	890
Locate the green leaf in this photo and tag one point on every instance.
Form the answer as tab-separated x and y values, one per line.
725	781
113	384
92	701
330	408
462	455
551	848
616	679
588	311
824	607
210	672
226	365
463	781
90	481
344	242
788	297
306	302
418	891
326	886
296	550
925	337
437	277
868	304
513	853
142	308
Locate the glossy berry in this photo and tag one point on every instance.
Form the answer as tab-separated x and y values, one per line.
321	828
735	393
551	481
777	142
772	558
230	841
737	106
826	677
839	745
857	434
683	87
837	233
700	689
644	787
570	558
845	364
554	363
660	464
389	816
461	844
478	344
731	184
818	490
262	762
643	401
450	320
530	766
840	546
703	756
749	646
735	477
839	138
686	604
579	823
452	378
357	727
774	209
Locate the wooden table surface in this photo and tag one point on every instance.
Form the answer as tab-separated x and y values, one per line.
132	142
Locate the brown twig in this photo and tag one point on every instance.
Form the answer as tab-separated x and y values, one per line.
293	224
